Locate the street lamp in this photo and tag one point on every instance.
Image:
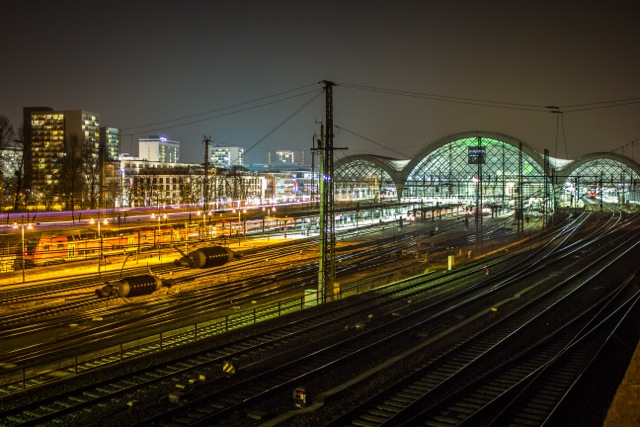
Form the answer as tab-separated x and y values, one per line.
157	241
122	172
105	222
285	226
240	212
270	212
205	224
29	227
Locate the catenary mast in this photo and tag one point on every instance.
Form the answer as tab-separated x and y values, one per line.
326	264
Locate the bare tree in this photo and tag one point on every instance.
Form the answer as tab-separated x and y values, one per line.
91	169
7	138
11	146
70	172
7	134
16	164
191	186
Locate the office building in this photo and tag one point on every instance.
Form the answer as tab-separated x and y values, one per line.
226	157
158	148
288	156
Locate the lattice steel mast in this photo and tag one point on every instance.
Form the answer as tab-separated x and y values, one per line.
205	184
326	264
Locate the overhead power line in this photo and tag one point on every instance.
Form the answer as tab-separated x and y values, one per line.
370	140
289	117
493	103
170	123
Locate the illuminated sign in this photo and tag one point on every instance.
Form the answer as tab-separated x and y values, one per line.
477	155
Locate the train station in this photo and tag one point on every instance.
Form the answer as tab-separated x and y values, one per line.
487	169
452	180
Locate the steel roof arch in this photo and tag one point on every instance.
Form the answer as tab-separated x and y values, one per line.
441	142
587	158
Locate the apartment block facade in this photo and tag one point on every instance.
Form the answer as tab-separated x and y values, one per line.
226	157
53	135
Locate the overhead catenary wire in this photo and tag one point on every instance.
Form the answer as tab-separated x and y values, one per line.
444	98
169	123
369	140
493	103
294	93
286	119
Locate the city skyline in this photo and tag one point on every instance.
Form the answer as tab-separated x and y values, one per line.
407	74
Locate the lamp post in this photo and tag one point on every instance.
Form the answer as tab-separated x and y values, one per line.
285	226
105	222
269	212
205	223
156	240
122	172
240	212
29	227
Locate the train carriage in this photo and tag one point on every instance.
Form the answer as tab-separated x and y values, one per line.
76	245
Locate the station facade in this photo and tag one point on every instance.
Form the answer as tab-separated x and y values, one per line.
489	170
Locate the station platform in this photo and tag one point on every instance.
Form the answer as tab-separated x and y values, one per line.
625	408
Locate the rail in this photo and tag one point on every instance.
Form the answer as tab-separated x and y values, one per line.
15	379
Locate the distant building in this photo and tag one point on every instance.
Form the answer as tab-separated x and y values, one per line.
226	157
47	142
288	156
139	182
27	129
109	153
110	143
159	149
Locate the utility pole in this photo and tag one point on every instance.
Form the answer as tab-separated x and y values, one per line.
205	184
326	264
546	203
519	201
313	171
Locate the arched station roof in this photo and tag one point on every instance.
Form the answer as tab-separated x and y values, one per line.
472	136
351	166
596	161
445	162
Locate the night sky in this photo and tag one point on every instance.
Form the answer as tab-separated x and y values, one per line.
408	72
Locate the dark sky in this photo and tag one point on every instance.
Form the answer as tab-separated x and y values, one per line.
188	68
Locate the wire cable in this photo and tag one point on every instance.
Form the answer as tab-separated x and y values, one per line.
289	117
163	122
496	104
370	140
443	98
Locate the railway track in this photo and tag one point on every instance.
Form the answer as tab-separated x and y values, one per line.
183	306
381	311
223	404
475	385
462	386
72	309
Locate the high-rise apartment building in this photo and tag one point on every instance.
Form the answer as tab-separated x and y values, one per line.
110	143
159	149
54	135
226	157
28	154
